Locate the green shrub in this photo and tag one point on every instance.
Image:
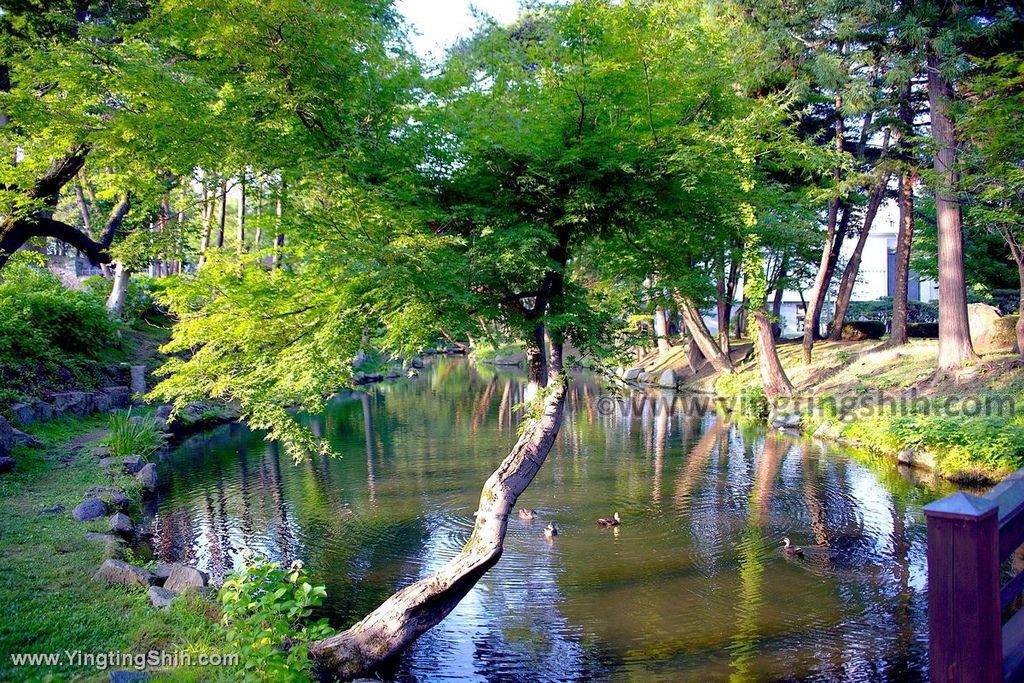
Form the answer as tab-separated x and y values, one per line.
923	330
859	330
50	336
133	434
267	619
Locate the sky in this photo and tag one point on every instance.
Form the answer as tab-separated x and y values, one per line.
436	24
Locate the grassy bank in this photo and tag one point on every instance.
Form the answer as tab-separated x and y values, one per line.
50	602
968	427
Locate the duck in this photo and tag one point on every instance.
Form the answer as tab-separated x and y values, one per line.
614	521
791	550
551	530
527	513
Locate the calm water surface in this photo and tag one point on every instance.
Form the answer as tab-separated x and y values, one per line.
692	586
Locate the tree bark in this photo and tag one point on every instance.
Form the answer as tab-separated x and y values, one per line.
1018	257
773	375
222	218
241	212
415	609
812	316
204	241
661	330
119	291
694	356
700	334
898	328
849	278
275	261
726	289
955	348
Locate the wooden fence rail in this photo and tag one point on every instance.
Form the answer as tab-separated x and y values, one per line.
969	537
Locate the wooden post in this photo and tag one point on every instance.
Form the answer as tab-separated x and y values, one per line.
964	621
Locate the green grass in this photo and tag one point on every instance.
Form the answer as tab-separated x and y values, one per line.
485	352
134	437
50	603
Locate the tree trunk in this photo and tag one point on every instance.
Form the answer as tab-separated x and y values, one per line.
1018	256
812	315
725	287
955	348
222	218
279	238
661	330
412	611
119	291
204	242
241	212
898	328
773	375
700	334
853	265
694	358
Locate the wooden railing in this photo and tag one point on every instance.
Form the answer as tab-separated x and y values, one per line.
969	537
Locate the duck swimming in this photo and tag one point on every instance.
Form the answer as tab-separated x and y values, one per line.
551	530
526	513
791	550
614	521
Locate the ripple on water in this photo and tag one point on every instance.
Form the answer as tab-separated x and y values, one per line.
692	586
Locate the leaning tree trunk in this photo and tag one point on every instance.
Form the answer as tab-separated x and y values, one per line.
700	334
119	292
853	265
955	348
812	315
412	611
773	375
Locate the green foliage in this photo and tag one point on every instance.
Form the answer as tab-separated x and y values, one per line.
50	336
134	434
139	303
266	620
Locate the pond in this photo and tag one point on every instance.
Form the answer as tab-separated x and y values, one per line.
692	586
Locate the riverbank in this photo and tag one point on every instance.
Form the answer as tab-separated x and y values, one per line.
968	428
51	603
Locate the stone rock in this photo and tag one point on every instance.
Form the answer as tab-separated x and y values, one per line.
120	397
162	415
43	411
6	464
132	464
127	677
111	462
510	360
643	377
119	499
632	374
986	332
71	402
161	572
101	402
116	571
90	508
24	413
6	438
147	475
918	459
56	509
417	363
161	597
182	578
100	451
822	431
667	379
23	439
138	379
121	523
785	420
